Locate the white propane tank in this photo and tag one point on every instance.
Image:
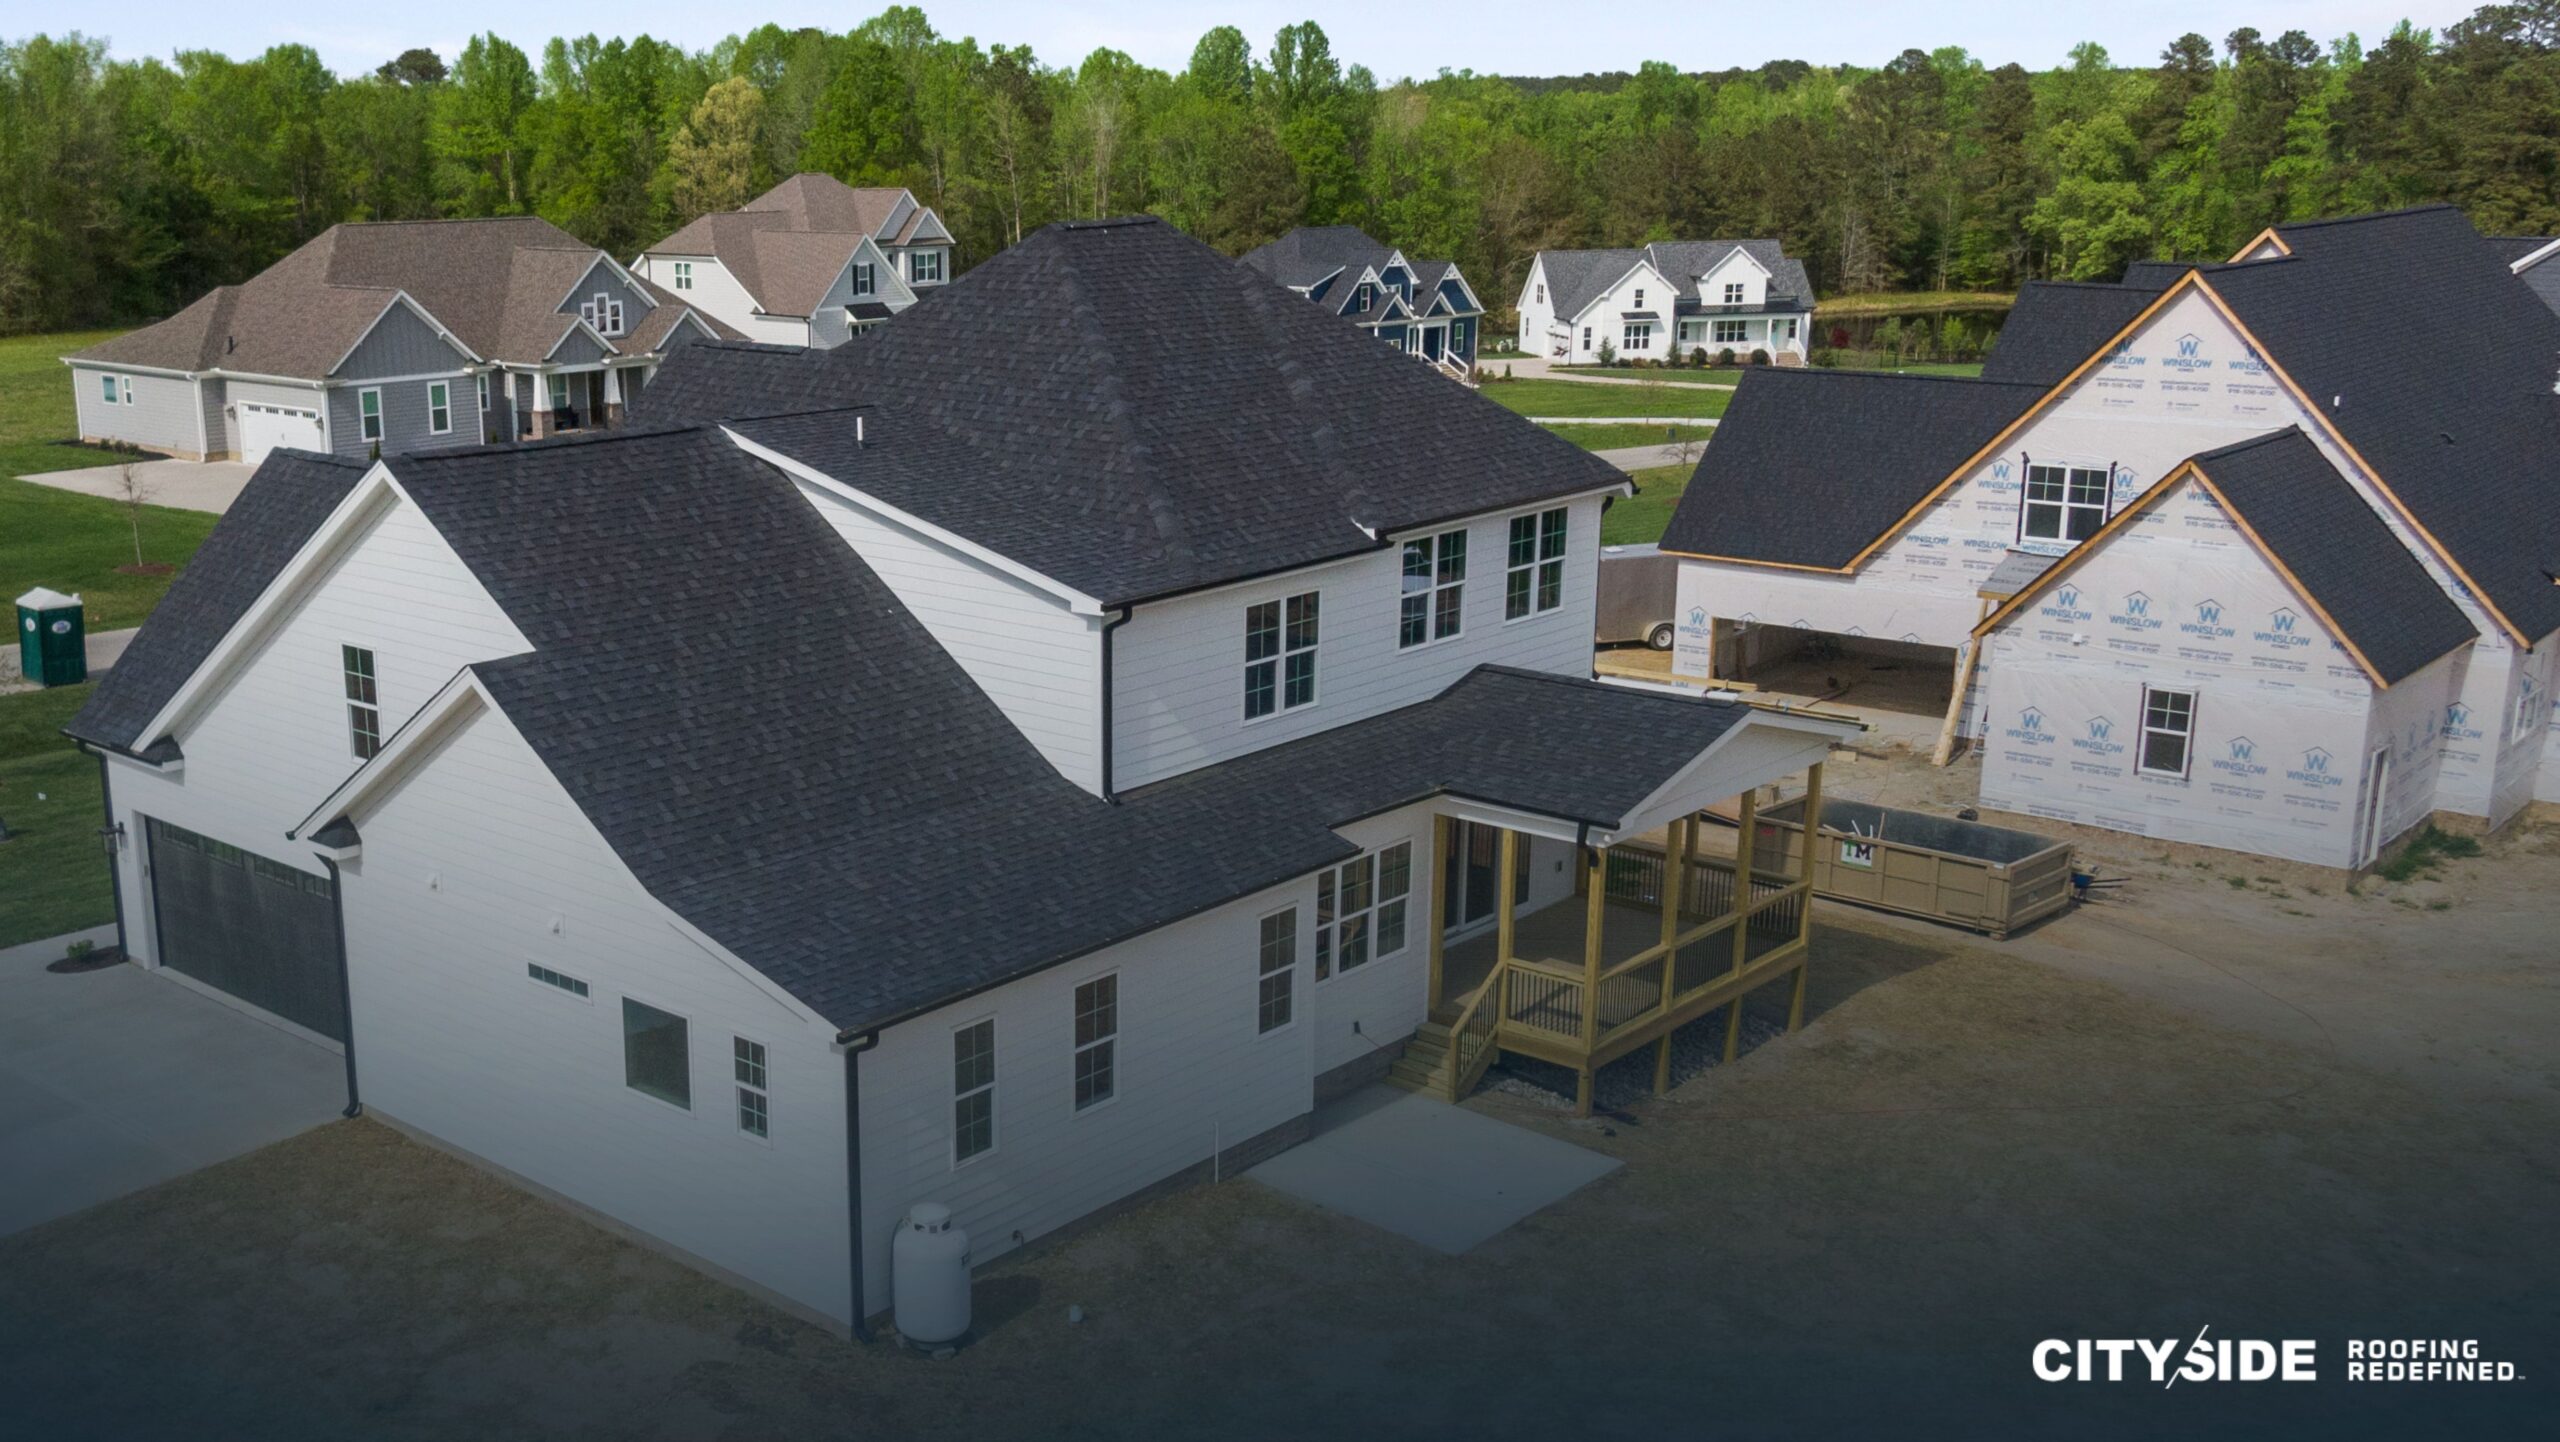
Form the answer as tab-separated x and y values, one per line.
929	1277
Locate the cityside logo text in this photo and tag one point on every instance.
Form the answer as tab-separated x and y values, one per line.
2174	1360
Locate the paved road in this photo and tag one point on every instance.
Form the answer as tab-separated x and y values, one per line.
116	1080
186	485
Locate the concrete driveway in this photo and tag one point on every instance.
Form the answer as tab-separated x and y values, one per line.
116	1080
186	485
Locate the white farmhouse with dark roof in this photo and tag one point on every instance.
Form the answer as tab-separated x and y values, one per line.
1006	764
2256	554
402	335
812	262
1670	298
1424	308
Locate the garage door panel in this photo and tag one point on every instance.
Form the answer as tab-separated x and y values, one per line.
247	925
264	427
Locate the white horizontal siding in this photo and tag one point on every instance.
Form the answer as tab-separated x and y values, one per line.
482	864
1179	665
273	741
717	293
1039	662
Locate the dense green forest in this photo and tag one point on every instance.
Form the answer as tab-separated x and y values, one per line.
128	186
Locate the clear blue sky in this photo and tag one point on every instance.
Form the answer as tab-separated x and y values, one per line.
1510	37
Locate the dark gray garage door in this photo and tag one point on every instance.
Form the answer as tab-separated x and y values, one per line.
255	928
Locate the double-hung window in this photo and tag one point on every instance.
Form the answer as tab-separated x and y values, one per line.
973	1090
107	389
364	705
1097	1040
862	277
604	313
1276	1001
1435	584
684	275
439	408
1639	298
1279	655
2063	503
1533	574
1733	292
926	266
655	1059
755	1090
1586	337
369	413
559	392
1360	909
1729	332
1638	335
1542	294
2168	731
484	392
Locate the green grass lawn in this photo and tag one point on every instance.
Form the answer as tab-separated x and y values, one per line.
54	538
52	875
1572	398
1656	373
1637	519
1913	368
1610	438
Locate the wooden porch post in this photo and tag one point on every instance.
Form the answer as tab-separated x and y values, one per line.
1504	897
1675	880
1743	863
1594	917
1437	906
1804	911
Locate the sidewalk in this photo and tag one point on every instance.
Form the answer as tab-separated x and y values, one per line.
1645	458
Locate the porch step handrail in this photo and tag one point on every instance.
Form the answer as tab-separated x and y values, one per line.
1472	1038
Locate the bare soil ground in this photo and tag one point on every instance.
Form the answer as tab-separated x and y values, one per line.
2271	1109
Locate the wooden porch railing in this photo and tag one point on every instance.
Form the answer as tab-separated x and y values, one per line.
1474	1038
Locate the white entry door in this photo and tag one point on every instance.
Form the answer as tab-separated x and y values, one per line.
263	428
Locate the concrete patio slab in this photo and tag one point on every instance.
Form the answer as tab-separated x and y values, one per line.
116	1080
1440	1175
186	485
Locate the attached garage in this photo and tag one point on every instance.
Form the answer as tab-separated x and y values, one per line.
265	427
257	929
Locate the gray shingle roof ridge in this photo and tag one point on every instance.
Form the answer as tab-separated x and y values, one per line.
2252	443
1164	511
2367	217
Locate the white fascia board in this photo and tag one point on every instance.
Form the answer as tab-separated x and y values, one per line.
1611	288
372	495
1485	813
81	363
1752	260
1077	601
579	323
401	297
369	382
628	279
1759	749
1530	282
1544	503
1461	278
2544	252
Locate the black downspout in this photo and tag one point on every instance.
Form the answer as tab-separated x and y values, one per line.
854	1047
346	994
1114	624
114	848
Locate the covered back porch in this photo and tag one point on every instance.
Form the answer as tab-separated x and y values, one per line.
1661	929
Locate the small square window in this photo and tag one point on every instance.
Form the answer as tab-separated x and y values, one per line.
656	1060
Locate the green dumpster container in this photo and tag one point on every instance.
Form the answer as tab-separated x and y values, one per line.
53	638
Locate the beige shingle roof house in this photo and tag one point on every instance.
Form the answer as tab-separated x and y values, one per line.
809	263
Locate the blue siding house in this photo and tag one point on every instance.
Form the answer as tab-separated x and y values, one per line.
1422	307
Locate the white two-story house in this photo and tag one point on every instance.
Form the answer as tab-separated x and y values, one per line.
812	262
1012	779
1668	299
2203	567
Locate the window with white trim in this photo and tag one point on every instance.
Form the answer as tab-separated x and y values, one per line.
2168	732
439	408
107	388
862	277
484	392
973	1090
1360	909
1729	332
1637	335
2063	503
656	1056
364	705
1279	655
1586	337
925	265
755	1099
560	980
1533	571
1435	584
684	275
1639	297
1542	294
369	414
128	390
1097	1040
1277	998
559	391
1790	324
1733	292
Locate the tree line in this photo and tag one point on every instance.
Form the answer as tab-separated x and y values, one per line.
130	186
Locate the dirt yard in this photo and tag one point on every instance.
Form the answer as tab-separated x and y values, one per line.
2225	1097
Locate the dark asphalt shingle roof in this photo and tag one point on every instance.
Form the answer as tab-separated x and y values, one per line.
1575	278
291	493
1066	434
2338	547
1312	252
1811	466
2512	248
2056	325
2436	363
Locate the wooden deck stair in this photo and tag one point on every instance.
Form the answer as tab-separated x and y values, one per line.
1424	1065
